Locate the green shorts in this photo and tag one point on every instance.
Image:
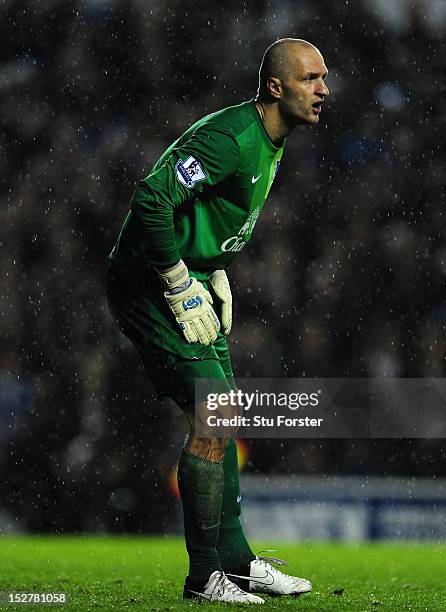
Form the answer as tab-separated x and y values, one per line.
141	313
174	376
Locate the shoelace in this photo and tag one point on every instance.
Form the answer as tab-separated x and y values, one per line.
224	584
273	560
218	588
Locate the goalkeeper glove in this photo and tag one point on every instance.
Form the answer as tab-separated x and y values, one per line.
191	303
220	284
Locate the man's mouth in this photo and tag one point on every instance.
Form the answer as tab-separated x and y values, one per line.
317	107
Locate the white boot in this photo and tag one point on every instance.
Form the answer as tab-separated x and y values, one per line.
220	588
265	578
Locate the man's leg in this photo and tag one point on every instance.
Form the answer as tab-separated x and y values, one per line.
202	493
233	548
236	557
200	480
200	474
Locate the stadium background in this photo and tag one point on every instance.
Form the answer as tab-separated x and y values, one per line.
344	276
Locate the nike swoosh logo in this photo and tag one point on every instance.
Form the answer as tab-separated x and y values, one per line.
262	578
254	179
205	528
239	498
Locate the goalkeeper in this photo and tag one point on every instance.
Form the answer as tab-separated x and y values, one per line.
169	293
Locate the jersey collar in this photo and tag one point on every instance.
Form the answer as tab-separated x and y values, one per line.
269	143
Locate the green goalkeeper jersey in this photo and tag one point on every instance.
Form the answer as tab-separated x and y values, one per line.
199	203
203	197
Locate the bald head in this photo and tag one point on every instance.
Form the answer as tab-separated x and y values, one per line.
280	58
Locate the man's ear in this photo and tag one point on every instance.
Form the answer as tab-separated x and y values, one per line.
274	87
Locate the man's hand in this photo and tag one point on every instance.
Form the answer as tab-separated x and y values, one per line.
220	285
191	303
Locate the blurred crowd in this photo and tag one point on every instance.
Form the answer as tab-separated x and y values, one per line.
344	276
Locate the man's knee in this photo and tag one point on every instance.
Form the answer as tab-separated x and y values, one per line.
206	440
211	449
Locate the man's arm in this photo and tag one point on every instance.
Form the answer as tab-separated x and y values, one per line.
206	159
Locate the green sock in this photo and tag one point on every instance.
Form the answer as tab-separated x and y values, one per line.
233	548
201	487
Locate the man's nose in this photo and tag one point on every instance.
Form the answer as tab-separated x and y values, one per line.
323	89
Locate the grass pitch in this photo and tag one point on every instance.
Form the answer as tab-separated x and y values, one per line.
143	573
